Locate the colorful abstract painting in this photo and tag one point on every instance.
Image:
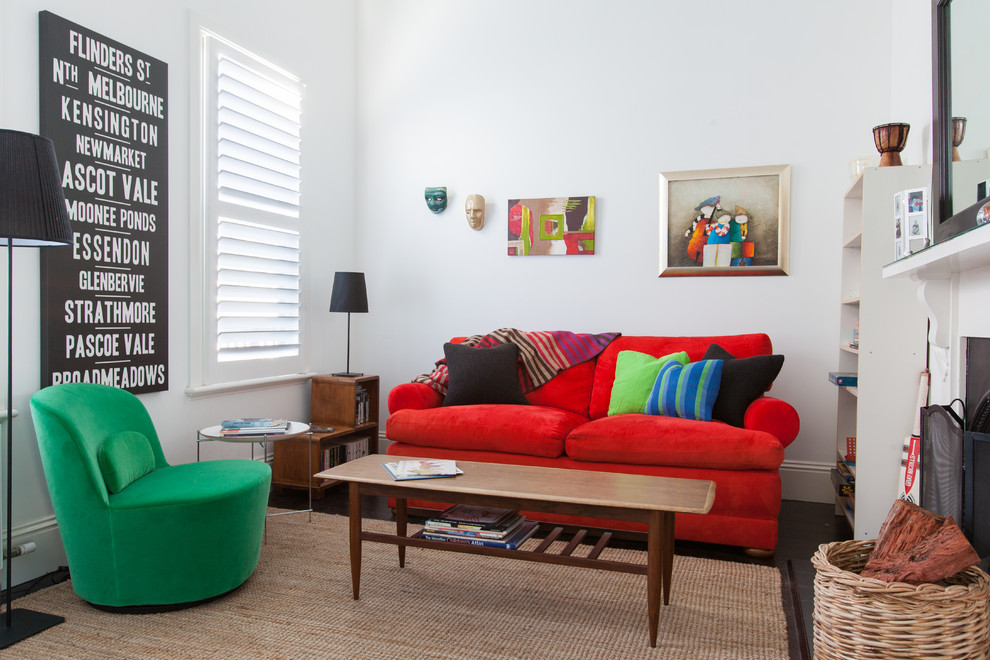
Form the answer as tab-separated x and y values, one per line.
551	225
724	222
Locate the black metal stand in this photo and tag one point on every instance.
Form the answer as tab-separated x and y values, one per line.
348	373
17	624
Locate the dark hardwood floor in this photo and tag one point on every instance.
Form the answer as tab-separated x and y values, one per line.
803	527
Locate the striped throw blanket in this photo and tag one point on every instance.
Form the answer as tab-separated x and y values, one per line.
542	354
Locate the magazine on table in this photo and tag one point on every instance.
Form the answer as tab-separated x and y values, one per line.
422	469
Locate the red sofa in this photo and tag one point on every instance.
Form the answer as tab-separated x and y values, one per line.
567	426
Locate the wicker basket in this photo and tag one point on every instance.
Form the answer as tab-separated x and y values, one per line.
857	617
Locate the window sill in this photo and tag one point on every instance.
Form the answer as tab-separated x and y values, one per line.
197	391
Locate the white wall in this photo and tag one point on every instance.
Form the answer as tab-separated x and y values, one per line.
509	99
522	99
314	40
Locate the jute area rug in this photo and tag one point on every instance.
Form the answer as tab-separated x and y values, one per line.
298	604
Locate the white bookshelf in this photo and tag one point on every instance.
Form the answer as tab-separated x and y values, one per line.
892	346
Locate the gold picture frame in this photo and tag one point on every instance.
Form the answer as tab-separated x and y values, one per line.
725	222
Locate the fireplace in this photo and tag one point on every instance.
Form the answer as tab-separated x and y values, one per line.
976	451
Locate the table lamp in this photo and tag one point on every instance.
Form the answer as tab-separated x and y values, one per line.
349	295
32	214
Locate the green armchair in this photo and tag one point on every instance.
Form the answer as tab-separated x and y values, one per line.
136	530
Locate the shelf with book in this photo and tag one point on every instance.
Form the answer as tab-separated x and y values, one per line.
881	339
482	526
344	421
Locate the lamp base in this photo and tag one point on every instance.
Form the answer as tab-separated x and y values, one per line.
23	624
346	374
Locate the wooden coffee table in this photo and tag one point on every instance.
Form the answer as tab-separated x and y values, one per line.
610	495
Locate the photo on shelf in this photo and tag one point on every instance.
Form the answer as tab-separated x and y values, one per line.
912	222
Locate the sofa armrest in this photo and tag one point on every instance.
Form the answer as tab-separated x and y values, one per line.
415	396
774	416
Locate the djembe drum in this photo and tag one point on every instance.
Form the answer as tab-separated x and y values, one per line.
890	140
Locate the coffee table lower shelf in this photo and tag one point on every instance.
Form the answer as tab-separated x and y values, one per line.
658	569
636	498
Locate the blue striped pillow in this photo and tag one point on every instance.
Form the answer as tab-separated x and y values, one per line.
687	391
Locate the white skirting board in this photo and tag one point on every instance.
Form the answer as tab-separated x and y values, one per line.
48	556
806	481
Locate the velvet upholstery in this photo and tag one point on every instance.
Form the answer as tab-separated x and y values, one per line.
673	441
744	512
739	345
178	534
530	430
124	458
567	426
482	375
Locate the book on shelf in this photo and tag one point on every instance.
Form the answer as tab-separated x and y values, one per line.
843	486
843	378
422	469
469	516
348	450
362	405
501	531
512	542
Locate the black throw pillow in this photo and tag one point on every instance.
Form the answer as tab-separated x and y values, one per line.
743	381
482	375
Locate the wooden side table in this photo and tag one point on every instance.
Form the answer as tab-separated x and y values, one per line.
348	408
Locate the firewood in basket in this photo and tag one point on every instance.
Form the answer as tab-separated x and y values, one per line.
916	546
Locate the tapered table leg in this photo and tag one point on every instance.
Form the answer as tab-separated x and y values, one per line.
354	511
654	573
667	541
400	527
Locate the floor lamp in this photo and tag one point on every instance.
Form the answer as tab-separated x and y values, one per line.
32	214
349	295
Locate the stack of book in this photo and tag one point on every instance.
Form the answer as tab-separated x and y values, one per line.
337	454
254	426
362	406
478	525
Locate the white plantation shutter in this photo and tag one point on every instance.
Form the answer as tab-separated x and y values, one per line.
252	132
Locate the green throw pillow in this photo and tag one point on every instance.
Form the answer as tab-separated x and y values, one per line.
124	458
635	374
686	391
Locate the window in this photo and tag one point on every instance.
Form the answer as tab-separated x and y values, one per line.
251	232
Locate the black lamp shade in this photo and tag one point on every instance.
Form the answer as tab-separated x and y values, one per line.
349	293
32	205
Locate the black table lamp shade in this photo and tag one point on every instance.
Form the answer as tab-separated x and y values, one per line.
32	214
349	295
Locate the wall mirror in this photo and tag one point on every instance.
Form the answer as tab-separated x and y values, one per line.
961	89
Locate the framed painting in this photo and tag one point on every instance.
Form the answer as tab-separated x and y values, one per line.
551	225
725	222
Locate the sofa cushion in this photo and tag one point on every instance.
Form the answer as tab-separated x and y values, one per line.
686	391
650	440
743	381
635	374
568	390
739	345
531	430
482	375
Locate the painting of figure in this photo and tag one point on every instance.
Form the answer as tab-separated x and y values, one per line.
724	222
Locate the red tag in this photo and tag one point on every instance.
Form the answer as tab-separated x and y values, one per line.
914	448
